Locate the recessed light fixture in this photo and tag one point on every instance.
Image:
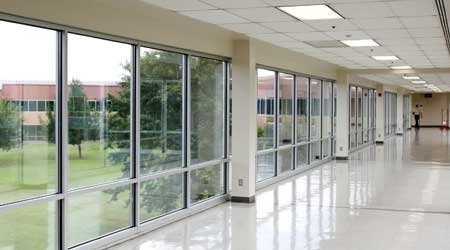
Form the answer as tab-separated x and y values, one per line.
360	43
411	77
311	12
385	58
400	67
417	82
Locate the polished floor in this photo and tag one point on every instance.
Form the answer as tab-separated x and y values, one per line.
394	196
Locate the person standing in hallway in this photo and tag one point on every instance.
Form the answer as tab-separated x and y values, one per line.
417	115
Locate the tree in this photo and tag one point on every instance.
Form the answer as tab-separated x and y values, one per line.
10	124
80	119
161	75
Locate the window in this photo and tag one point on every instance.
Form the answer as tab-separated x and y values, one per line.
285	121
316	100
265	166
99	142
161	196
27	169
207	109
29	227
206	183
302	108
284	160
162	110
359	116
265	123
95	214
41	106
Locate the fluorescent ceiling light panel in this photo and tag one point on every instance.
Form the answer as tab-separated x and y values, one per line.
360	43
411	77
419	82
311	12
385	58
401	67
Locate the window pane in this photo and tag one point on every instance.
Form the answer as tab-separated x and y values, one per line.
99	141
207	109
302	156
352	117
327	114
266	93
315	109
326	147
161	196
302	109
285	109
206	183
315	152
29	227
265	166
32	106
98	213
359	115
365	115
27	169
284	159
161	110
41	106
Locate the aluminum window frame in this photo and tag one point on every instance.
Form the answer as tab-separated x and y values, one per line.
62	194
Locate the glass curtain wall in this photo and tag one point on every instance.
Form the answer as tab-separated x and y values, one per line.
390	113
295	140
406	112
128	138
362	116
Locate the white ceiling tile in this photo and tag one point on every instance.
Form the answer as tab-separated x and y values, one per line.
262	14
378	23
374	51
275	37
348	35
413	8
421	22
426	32
231	4
363	10
214	16
247	28
399	41
388	33
292	45
331	25
293	2
292	26
180	5
430	41
310	36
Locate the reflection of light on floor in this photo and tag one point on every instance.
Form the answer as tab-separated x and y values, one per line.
430	187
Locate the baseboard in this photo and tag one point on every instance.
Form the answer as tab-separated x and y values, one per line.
341	158
399	133
240	199
380	142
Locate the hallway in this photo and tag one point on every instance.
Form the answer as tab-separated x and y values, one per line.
392	197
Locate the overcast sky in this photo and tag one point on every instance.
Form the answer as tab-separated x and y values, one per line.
29	54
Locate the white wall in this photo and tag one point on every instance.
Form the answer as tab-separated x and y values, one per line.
432	108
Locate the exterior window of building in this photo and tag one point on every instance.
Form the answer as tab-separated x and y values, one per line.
161	110
327	120
316	119
265	122
285	121
353	133
359	116
27	161
138	147
99	142
207	107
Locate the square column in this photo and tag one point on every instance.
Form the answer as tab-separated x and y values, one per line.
244	96
379	137
342	115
